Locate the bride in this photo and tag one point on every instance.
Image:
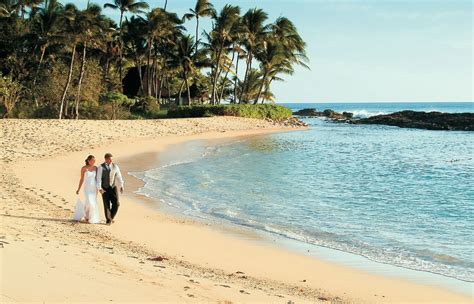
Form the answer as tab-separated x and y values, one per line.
88	211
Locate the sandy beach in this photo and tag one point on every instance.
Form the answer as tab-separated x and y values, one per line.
148	255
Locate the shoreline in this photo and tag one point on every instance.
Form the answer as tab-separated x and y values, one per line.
228	268
328	254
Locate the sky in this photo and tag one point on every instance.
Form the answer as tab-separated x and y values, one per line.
369	51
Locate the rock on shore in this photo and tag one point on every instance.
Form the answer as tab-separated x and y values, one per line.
423	120
328	113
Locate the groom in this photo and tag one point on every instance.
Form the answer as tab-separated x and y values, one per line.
108	179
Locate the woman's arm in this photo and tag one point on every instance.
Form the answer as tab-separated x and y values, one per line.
99	178
81	180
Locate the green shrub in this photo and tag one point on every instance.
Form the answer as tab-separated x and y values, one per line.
148	107
119	104
46	111
270	111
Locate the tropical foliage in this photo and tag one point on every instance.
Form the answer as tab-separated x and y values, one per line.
269	111
57	60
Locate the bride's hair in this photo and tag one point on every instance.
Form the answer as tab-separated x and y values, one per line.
88	159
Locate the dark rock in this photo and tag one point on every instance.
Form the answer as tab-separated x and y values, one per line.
307	112
348	114
328	113
423	120
157	259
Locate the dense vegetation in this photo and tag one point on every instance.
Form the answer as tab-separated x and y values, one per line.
272	112
58	61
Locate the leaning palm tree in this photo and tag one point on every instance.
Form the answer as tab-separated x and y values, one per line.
271	56
283	48
125	6
256	31
225	24
203	8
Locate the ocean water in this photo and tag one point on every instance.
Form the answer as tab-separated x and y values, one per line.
363	110
398	196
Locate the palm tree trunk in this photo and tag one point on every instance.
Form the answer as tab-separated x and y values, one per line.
216	75
169	90
218	101
81	76
106	69
180	92
236	79
68	81
226	75
261	88
244	84
197	35
166	4
153	77
160	87
187	87
140	76
267	89
43	51
148	69
121	46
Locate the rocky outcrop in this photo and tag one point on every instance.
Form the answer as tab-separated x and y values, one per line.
292	122
423	120
328	113
307	113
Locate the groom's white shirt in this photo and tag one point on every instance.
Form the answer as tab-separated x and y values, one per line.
116	180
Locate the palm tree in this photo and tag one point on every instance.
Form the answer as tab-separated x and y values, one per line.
72	31
253	22
190	62
135	42
283	47
45	26
125	6
163	29
252	86
92	21
225	25
271	55
203	8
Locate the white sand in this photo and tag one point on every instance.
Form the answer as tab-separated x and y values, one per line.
46	257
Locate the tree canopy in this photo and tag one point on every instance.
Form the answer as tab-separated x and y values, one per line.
67	62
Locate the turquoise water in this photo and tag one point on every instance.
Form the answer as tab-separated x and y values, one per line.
397	196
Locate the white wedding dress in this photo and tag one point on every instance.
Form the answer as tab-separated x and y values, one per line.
88	209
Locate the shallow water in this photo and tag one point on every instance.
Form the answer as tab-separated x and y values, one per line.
397	196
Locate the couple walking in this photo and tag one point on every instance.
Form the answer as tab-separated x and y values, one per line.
106	179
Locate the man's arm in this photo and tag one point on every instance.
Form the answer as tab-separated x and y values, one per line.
119	178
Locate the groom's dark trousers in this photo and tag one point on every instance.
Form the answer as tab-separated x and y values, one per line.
111	202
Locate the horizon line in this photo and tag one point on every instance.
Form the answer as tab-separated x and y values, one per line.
310	102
